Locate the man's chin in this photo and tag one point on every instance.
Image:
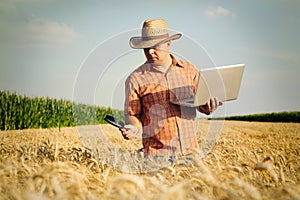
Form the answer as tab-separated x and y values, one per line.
153	61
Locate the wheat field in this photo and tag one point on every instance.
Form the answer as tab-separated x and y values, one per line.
250	160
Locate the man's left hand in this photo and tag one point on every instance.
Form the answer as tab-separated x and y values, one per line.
210	106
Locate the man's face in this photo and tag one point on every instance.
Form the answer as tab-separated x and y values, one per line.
158	54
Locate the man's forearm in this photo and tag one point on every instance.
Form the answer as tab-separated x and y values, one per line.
132	119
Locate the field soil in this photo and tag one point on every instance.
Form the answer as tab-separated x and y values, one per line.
245	160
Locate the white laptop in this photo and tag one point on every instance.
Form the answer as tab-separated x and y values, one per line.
221	82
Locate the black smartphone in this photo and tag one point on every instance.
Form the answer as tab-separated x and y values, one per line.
113	121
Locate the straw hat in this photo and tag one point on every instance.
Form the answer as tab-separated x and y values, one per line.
154	32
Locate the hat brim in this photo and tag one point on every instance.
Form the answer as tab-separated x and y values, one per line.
140	43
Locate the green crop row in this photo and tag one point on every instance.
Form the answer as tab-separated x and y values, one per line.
22	112
268	117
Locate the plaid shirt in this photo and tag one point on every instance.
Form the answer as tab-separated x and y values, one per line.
168	129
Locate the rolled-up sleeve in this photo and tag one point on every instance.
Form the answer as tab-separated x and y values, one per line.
132	105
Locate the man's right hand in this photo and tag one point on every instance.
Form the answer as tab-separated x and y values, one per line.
130	131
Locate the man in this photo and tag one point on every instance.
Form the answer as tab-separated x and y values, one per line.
167	129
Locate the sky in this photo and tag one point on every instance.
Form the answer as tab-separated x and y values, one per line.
78	50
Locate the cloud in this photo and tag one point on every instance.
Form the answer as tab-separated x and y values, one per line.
219	11
42	31
18	28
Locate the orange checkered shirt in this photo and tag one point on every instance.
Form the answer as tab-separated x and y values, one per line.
168	129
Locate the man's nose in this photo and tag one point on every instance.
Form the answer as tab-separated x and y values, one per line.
151	50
